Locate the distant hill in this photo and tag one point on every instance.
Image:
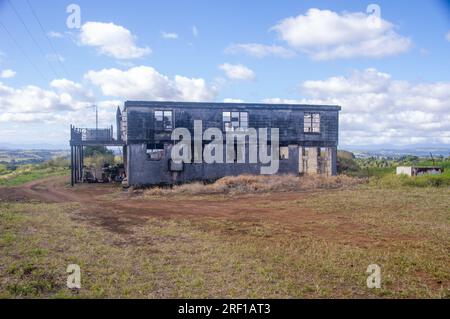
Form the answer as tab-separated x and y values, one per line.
36	146
29	156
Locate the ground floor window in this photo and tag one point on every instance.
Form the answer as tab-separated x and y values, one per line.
284	152
155	152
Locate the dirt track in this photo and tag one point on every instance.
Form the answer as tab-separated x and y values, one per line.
110	207
109	203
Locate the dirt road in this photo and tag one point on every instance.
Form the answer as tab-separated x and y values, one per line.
117	210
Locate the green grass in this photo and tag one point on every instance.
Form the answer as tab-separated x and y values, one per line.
371	172
428	180
29	173
3	169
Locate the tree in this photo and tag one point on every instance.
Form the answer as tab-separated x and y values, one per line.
90	151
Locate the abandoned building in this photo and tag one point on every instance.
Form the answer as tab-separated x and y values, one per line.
308	139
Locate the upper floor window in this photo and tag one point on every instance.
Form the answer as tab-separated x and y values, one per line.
311	122
234	120
163	120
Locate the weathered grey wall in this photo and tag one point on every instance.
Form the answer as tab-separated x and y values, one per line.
142	171
288	118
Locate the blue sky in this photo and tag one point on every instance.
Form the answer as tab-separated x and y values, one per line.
392	79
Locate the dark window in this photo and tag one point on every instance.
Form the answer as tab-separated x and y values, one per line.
234	120
311	123
163	120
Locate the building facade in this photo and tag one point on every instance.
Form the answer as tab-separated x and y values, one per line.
308	139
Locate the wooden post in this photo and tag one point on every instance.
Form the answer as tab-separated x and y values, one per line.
76	163
71	166
82	162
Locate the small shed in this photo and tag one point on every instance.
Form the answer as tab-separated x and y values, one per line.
419	170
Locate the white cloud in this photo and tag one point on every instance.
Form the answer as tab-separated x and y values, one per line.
145	83
231	100
377	109
169	35
112	40
74	90
260	50
7	73
34	104
54	34
194	31
369	81
324	34
448	36
278	100
237	71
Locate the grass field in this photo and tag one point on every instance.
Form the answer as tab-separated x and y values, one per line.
28	173
305	244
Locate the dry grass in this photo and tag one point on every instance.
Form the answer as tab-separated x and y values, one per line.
405	232
283	245
243	184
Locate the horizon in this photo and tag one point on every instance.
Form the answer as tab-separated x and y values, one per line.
389	74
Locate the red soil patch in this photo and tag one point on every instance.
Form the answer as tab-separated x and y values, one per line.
120	213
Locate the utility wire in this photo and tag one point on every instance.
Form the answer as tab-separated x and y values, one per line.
24	52
32	37
49	41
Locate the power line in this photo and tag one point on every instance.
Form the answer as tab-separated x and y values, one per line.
32	37
48	39
24	52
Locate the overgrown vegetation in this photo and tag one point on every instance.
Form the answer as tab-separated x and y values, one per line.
30	172
258	184
381	172
98	156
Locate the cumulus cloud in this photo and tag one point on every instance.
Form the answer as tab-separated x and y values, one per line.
111	40
324	34
169	35
34	104
237	71
74	90
279	100
259	50
145	83
377	109
7	73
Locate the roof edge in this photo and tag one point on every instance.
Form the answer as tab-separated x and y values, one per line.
223	104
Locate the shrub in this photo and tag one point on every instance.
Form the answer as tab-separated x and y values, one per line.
57	162
98	160
393	180
258	184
